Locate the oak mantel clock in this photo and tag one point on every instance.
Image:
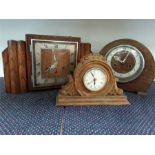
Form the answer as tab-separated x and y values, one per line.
52	59
132	63
93	83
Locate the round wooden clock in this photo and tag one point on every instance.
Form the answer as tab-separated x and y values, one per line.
132	63
93	76
93	83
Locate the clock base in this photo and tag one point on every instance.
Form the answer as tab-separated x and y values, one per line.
91	100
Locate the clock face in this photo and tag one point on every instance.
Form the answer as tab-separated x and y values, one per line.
52	61
126	61
95	79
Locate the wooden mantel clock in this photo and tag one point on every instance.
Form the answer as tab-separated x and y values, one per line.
41	62
132	63
93	83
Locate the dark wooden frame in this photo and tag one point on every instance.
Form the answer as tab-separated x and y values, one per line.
142	83
29	58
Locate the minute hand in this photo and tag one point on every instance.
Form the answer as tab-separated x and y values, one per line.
124	60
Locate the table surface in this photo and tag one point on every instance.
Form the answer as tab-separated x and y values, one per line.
35	113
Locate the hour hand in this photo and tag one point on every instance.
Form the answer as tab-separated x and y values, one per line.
52	67
118	59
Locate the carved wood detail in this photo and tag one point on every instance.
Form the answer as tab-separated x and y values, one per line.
74	93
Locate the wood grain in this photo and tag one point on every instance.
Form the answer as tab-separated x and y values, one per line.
29	70
14	71
6	67
91	100
22	66
85	49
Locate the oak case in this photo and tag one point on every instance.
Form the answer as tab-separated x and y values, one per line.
75	92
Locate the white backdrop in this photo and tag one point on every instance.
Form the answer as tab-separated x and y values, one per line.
98	32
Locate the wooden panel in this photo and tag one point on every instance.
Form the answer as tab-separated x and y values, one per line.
29	70
6	67
14	71
85	49
91	100
22	66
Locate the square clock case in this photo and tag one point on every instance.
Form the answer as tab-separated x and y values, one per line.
50	59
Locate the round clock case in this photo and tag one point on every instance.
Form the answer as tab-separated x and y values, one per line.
132	63
87	64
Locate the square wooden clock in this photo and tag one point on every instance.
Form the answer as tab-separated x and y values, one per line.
50	59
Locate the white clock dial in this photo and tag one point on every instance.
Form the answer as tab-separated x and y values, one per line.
94	79
126	61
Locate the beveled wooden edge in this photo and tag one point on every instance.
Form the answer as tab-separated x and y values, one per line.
13	62
6	69
52	37
91	100
22	65
28	38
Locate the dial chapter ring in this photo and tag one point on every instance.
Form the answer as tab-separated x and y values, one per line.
135	72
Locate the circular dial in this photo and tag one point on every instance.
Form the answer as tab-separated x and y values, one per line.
94	79
126	61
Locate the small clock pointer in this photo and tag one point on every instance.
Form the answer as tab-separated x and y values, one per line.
94	78
52	67
124	60
118	59
92	75
94	82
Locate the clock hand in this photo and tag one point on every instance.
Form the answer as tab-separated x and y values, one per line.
54	65
124	60
92	75
94	81
117	58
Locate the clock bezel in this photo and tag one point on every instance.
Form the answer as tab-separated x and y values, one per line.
30	61
81	70
93	68
138	71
